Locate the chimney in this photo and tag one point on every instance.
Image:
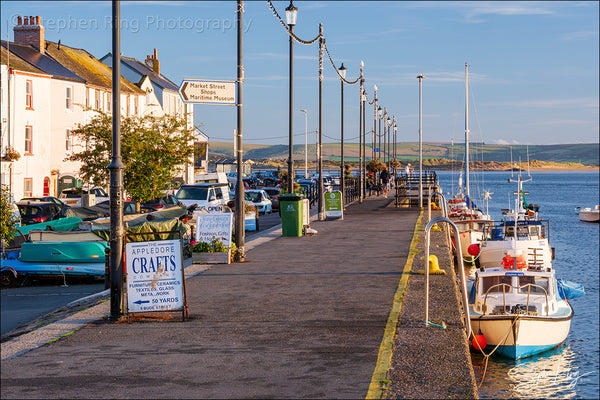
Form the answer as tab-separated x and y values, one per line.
153	63
30	32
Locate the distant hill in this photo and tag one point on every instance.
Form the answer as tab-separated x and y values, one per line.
586	154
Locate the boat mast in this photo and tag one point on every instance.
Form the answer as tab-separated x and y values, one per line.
467	191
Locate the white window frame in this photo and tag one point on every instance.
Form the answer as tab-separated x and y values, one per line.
68	141
29	94
28	139
69	98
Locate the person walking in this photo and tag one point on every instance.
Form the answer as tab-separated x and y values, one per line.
385	181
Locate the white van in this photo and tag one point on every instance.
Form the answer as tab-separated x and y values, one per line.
211	177
204	195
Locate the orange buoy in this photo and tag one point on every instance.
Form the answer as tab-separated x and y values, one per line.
507	262
479	341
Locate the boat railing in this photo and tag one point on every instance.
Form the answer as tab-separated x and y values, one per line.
499	230
506	285
461	268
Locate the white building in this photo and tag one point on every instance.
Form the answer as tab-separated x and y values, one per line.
49	89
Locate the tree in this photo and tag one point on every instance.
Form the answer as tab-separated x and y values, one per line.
8	220
153	149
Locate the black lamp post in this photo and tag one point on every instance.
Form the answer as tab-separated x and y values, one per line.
291	13
342	186
388	141
380	115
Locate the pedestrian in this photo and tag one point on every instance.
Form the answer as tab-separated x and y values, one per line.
385	181
408	169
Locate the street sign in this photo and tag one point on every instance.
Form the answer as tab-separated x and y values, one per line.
211	226
207	92
333	204
154	276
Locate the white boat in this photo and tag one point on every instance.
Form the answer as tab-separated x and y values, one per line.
519	311
590	214
521	232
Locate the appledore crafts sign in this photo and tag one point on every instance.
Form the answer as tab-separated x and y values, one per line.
154	276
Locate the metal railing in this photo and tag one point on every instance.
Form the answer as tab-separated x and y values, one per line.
461	267
504	285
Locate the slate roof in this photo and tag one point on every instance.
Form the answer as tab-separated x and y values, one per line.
42	62
143	69
87	66
15	62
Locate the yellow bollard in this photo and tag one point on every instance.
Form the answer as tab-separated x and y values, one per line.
434	266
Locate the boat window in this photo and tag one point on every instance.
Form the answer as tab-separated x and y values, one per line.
488	282
534	232
539	282
522	231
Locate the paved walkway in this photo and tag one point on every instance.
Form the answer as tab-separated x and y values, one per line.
302	317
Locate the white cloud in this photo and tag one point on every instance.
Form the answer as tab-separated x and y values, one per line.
555	103
579	35
502	141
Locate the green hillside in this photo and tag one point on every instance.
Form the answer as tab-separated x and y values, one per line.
586	154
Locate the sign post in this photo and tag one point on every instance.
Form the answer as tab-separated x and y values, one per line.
155	280
208	92
333	205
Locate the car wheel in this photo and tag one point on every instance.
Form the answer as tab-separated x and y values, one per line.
7	279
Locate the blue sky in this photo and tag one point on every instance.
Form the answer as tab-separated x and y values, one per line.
533	66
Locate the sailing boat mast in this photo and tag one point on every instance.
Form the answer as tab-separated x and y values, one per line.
467	191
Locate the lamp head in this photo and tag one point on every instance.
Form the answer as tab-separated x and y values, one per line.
291	13
343	71
379	112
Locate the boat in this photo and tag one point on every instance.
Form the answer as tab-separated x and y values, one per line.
463	211
518	310
520	232
590	214
516	302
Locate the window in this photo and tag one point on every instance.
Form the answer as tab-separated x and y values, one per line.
68	141
28	139
108	102
97	99
127	110
29	95
135	105
69	98
27	187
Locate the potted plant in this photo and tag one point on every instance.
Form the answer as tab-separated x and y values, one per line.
214	252
11	155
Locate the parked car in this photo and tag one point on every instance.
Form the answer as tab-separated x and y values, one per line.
253	182
41	199
273	193
161	203
34	212
203	195
72	196
261	200
128	207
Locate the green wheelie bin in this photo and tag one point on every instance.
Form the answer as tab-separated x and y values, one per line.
292	214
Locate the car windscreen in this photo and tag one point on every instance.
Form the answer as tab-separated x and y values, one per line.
254	197
29	211
192	193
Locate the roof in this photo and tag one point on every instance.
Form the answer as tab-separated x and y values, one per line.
231	161
87	66
42	62
145	70
15	62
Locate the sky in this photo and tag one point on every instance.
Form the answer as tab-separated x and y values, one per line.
533	66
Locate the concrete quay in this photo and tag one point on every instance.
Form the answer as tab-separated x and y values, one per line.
338	314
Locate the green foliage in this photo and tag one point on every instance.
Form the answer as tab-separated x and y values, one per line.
8	220
215	246
153	149
375	165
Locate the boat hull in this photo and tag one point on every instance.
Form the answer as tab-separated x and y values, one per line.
520	336
55	269
589	216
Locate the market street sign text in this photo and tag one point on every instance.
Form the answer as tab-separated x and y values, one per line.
208	92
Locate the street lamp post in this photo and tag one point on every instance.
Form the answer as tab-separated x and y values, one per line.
239	192
305	143
374	131
388	146
291	13
420	78
342	186
378	138
362	162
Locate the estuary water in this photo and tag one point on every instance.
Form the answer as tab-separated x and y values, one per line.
572	370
